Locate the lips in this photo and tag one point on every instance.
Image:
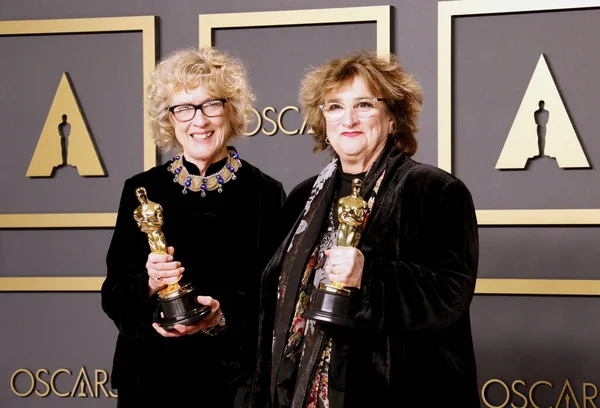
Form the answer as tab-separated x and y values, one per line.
351	134
201	136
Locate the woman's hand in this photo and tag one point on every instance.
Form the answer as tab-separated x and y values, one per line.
162	270
345	266
209	321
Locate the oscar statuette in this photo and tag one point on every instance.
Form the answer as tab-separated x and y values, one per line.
177	301
331	302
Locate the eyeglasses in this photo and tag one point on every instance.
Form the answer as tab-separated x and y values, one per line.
363	108
187	112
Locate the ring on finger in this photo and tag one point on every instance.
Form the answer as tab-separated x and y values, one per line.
158	277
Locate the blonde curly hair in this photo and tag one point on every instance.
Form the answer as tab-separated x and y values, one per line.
221	74
386	79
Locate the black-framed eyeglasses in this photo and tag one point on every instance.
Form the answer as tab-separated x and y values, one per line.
210	109
363	108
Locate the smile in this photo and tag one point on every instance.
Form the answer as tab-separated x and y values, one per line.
201	136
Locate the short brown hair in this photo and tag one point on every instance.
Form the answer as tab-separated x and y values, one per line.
387	79
220	74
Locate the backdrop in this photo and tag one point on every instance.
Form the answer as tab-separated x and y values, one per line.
532	350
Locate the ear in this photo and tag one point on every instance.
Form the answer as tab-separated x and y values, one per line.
392	127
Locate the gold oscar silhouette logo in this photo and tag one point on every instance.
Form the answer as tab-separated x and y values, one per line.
542	127
66	138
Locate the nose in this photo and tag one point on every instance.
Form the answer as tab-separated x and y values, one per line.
349	118
199	118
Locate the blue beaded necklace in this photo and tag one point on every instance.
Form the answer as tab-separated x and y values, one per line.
211	182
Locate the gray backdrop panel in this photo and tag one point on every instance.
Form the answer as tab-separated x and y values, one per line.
106	73
528	338
495	57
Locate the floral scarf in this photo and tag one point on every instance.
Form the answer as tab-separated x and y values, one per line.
300	363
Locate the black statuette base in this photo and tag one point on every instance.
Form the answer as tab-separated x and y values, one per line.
182	309
330	308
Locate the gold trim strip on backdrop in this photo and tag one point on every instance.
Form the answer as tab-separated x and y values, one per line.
559	287
79	220
539	217
381	15
147	26
447	11
54	284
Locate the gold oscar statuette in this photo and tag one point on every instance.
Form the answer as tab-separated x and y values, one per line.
177	301
332	301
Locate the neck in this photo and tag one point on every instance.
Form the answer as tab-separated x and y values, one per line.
204	164
351	167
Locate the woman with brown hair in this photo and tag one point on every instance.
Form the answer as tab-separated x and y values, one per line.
412	273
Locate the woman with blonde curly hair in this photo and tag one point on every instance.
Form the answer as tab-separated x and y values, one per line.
218	212
366	303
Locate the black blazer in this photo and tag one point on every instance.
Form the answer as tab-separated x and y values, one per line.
223	240
421	257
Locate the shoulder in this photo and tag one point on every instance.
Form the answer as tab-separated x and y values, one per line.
262	179
154	180
294	204
426	176
155	173
426	182
302	190
298	196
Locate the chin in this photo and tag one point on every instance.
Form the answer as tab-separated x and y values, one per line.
350	153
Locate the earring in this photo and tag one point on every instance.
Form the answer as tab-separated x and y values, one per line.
326	140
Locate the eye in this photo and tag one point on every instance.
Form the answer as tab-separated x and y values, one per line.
333	106
212	104
183	108
364	105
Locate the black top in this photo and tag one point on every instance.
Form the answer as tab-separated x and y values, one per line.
223	240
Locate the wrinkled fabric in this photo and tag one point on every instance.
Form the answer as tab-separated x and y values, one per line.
414	347
224	241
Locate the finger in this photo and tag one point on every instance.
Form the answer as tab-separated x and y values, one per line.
337	279
170	273
159	258
341	279
336	251
343	252
165	266
191	329
163	332
154	275
168	281
181	329
334	266
209	301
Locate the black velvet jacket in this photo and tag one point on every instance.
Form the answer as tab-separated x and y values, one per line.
421	255
223	240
